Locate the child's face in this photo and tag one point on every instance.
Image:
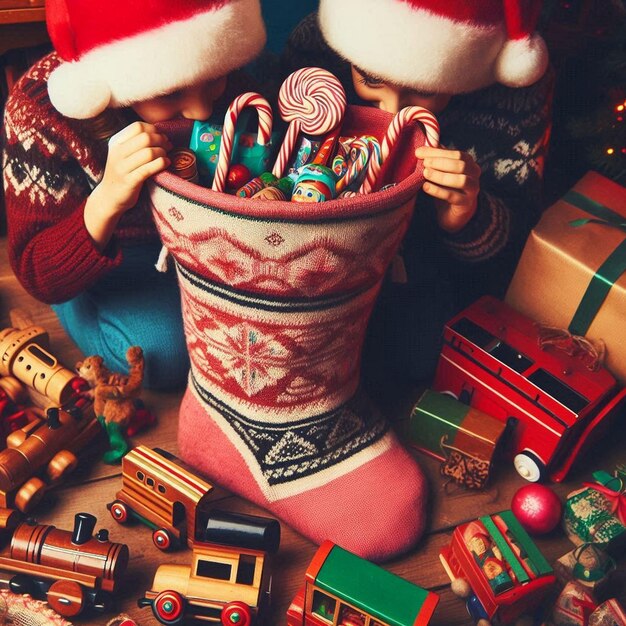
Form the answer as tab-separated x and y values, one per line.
392	98
193	103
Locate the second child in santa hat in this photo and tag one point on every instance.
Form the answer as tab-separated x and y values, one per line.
482	68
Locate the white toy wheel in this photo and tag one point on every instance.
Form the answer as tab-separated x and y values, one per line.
529	466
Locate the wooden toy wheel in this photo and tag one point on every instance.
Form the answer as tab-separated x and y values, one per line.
236	614
163	539
119	512
66	597
61	464
529	466
169	607
29	494
16	438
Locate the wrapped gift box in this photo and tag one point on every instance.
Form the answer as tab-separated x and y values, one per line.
464	438
572	276
609	613
574	605
596	513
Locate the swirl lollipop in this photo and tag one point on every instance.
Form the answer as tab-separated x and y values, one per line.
228	136
401	119
313	101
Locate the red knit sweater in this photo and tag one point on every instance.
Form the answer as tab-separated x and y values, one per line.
50	165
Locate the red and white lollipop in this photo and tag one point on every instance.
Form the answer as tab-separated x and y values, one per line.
401	119
313	101
264	135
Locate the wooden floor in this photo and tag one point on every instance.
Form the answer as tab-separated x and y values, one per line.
95	484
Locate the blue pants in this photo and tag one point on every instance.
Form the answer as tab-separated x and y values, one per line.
132	305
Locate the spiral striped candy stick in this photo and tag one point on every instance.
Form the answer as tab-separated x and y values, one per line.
264	135
402	118
362	149
313	101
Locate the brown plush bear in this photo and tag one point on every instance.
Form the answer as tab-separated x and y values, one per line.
114	397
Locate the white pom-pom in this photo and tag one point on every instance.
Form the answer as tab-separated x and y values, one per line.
461	588
76	93
522	62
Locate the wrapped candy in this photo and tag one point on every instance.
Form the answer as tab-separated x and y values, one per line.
597	513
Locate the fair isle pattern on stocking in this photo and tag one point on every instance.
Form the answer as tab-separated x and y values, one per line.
275	305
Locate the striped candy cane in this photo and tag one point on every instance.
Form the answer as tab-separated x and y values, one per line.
264	135
313	101
402	118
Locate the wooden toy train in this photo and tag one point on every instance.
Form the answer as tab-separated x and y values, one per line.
343	589
160	491
228	581
72	570
44	450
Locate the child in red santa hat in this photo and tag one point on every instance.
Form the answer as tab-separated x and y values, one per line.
482	69
80	232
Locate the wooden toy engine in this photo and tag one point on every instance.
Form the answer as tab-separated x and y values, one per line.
23	354
72	570
48	447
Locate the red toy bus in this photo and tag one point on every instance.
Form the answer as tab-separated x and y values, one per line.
492	360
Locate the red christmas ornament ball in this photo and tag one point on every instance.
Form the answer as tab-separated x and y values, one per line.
537	508
238	175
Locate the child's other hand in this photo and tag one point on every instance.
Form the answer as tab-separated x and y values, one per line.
136	153
452	178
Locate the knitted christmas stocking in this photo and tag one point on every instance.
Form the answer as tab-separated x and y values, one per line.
276	298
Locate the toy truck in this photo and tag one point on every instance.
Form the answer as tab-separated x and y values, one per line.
228	581
507	573
343	589
494	360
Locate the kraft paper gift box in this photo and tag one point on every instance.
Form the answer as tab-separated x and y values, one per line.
572	273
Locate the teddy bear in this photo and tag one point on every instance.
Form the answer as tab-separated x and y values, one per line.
115	398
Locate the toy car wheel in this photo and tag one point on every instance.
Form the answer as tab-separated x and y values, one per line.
61	464
169	607
66	597
20	584
102	602
29	494
163	539
119	512
529	466
236	614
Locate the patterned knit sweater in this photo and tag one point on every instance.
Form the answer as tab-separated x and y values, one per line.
505	130
50	165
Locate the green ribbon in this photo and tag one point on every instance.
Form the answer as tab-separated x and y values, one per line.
608	273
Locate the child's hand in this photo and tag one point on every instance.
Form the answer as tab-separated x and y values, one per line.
136	153
452	178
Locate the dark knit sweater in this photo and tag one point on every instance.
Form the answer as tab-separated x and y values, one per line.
50	166
505	130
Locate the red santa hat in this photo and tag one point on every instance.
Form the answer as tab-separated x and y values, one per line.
444	46
118	52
